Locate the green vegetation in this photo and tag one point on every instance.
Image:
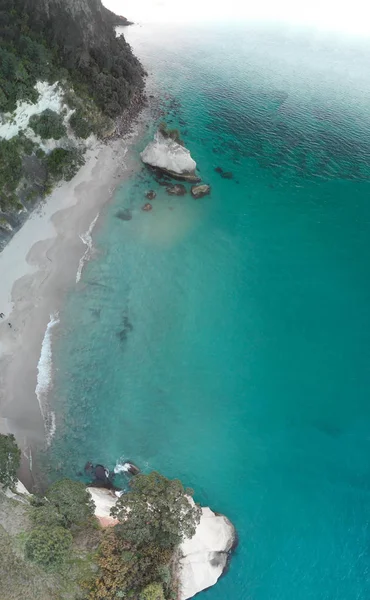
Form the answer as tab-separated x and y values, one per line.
81	126
153	591
157	511
48	125
48	546
10	458
72	501
63	164
11	154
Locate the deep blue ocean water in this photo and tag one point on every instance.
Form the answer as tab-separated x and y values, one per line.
226	341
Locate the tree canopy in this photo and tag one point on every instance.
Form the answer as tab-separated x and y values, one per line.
72	501
10	458
157	511
48	546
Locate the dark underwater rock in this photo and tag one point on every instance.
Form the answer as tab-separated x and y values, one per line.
124	214
177	189
147	207
150	195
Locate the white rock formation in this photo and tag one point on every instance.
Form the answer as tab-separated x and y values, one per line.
205	555
165	153
104	500
203	558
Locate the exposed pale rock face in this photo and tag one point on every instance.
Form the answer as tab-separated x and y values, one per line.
198	191
166	154
104	500
205	555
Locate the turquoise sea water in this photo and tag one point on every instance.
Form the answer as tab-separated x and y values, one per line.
226	341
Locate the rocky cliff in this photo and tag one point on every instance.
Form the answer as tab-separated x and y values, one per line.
82	34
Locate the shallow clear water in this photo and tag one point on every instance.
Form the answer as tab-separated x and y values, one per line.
226	341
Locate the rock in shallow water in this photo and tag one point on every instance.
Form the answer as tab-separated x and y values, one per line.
198	191
169	156
150	195
176	190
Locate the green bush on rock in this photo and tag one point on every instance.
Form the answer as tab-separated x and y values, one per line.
72	501
48	125
10	458
157	511
48	546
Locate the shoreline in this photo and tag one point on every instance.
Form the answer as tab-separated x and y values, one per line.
39	265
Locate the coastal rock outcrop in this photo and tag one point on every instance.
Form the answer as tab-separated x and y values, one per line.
205	556
169	156
198	191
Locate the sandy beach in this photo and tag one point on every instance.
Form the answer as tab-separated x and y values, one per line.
41	262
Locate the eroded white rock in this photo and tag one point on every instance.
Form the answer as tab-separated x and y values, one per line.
104	500
205	555
164	153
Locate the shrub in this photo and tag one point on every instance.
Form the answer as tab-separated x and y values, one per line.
72	501
63	164
48	546
48	125
156	511
80	124
47	514
125	569
153	591
10	458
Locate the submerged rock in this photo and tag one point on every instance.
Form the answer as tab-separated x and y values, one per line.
147	207
177	189
198	191
204	557
150	195
124	214
169	156
227	175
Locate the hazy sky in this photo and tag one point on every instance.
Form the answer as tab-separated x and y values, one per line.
351	16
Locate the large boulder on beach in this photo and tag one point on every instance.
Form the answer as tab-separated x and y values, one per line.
204	557
169	156
198	191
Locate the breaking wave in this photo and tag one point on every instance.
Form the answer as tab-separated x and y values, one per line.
44	378
87	240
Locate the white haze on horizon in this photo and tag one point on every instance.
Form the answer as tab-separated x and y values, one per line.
352	17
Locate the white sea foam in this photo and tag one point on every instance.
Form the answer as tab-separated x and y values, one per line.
121	467
87	240
45	378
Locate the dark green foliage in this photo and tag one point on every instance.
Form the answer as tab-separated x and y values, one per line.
72	501
48	546
48	125
10	458
157	511
11	153
63	164
80	124
47	514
